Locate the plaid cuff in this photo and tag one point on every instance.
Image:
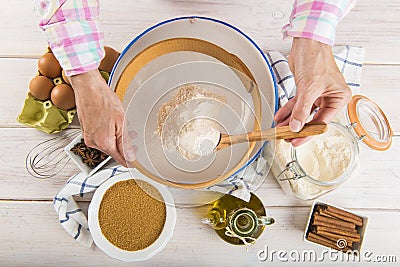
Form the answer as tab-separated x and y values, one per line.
78	45
316	20
73	32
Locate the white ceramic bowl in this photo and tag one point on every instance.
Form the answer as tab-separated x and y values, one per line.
115	252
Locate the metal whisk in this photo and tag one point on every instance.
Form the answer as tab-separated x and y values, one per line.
47	158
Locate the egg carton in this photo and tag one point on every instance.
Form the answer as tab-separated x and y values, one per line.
45	116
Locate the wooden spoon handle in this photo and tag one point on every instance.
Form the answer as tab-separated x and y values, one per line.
283	132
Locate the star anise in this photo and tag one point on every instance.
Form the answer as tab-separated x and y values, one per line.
79	149
90	156
91	159
103	156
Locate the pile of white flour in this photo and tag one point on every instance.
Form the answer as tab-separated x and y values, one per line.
183	126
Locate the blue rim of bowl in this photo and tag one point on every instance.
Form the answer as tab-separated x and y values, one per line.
256	155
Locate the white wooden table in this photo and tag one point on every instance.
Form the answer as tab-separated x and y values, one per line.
29	230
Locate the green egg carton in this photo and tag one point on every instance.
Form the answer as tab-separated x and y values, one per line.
45	116
105	75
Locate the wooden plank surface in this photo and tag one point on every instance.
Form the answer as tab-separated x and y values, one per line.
371	24
33	236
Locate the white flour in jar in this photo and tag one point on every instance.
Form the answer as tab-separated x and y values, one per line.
185	125
325	157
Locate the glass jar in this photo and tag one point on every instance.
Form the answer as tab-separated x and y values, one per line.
328	160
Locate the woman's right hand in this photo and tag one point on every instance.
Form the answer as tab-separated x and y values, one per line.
320	84
101	116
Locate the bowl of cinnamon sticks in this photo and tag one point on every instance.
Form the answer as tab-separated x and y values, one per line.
334	227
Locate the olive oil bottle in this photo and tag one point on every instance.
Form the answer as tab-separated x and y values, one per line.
236	221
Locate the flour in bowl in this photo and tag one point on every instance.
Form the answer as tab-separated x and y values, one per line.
185	124
197	138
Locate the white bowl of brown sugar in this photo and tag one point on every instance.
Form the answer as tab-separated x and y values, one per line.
131	218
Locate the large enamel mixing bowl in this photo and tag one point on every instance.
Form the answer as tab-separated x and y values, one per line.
209	53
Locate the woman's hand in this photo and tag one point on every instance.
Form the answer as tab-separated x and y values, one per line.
101	116
319	84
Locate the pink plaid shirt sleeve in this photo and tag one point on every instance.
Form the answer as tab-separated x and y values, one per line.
317	19
73	31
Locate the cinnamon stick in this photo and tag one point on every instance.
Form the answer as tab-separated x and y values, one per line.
337	237
323	213
344	215
349	243
324	224
331	221
339	216
337	231
325	242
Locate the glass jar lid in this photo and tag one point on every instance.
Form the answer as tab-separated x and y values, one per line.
369	123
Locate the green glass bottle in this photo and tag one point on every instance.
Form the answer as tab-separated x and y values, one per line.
237	221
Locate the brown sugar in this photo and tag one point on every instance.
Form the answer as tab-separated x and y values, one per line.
131	215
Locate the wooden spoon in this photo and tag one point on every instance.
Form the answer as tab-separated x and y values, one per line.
277	133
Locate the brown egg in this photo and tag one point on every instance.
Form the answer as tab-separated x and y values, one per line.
40	87
48	66
109	59
65	77
63	96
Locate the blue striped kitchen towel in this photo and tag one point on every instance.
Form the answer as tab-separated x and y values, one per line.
72	218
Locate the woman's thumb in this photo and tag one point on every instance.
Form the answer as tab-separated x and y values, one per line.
301	112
